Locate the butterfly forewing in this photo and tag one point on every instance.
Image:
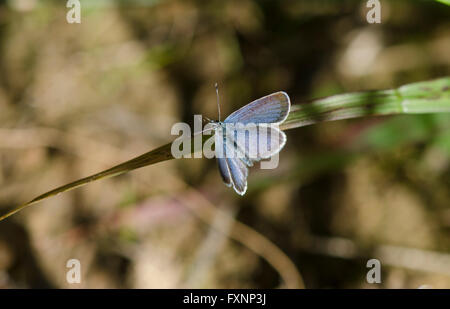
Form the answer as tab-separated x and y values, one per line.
273	108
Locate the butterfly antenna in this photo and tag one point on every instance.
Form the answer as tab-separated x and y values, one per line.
218	101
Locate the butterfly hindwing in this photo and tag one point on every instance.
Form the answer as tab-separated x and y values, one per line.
232	169
239	174
224	171
260	142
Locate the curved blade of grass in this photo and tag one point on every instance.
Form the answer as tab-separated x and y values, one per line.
444	1
422	97
418	98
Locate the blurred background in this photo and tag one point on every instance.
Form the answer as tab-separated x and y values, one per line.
79	98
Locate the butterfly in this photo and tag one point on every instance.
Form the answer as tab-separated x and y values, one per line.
249	135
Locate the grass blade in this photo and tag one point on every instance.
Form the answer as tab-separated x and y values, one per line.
422	97
418	98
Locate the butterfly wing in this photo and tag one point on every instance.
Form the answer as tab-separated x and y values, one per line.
224	171
239	173
270	141
238	154
259	142
234	172
273	108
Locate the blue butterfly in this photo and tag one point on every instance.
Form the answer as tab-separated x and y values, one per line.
248	135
